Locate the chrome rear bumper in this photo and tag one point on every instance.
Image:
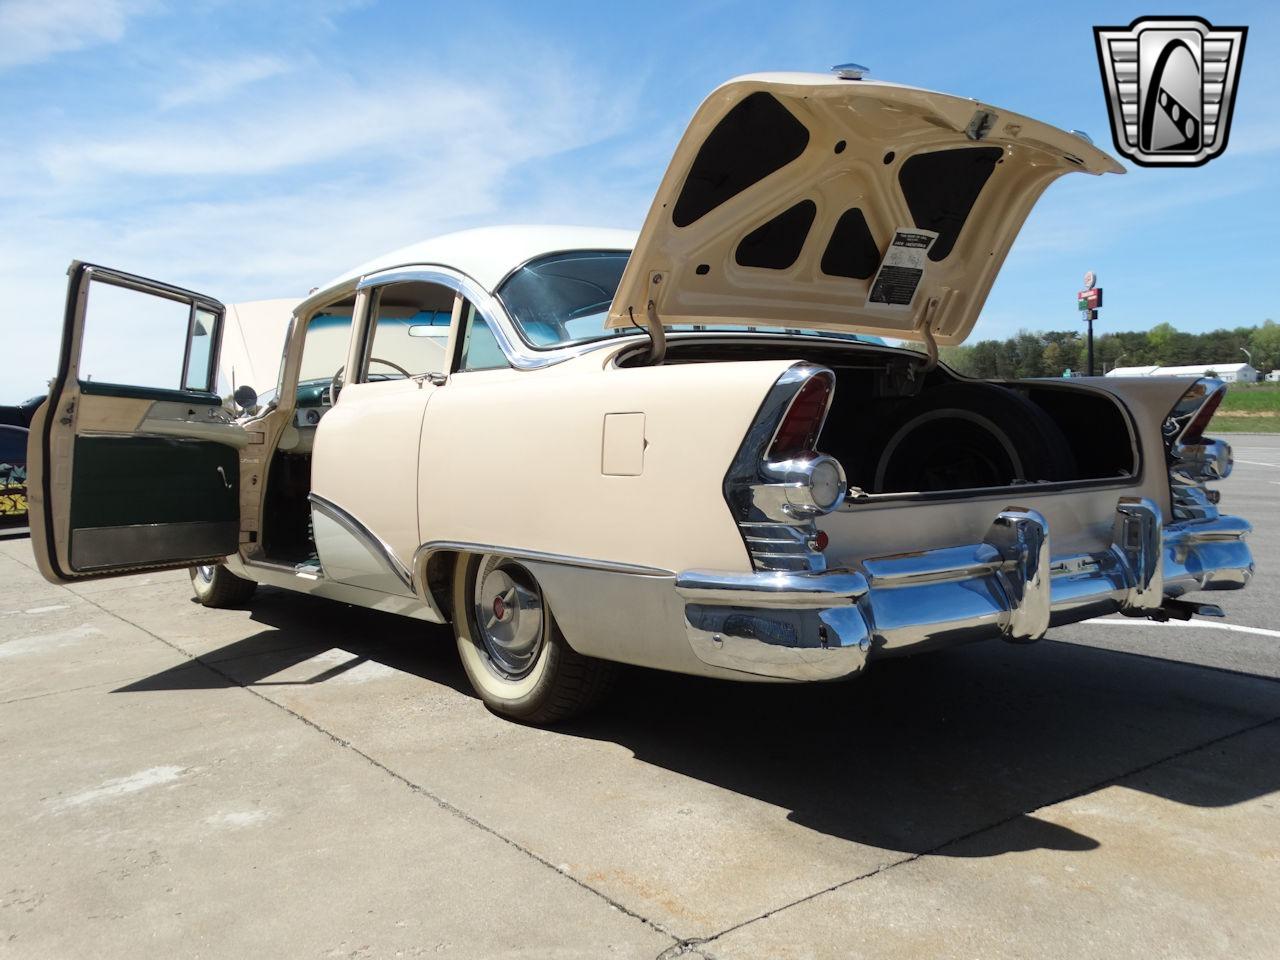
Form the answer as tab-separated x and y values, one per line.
825	626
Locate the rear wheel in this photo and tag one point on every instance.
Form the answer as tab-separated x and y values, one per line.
514	654
216	586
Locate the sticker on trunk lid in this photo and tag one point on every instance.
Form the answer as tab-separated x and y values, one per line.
901	270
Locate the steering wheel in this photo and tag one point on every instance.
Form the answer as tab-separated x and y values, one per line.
335	384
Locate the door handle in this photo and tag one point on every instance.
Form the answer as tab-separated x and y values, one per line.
223	474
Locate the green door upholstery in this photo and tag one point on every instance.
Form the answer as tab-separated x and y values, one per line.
149	500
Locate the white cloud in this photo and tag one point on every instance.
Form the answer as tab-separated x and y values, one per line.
34	30
305	131
215	80
270	195
1086	213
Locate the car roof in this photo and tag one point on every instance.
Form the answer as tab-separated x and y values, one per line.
488	254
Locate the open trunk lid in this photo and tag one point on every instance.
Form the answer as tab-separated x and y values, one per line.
810	201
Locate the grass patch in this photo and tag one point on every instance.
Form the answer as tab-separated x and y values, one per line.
1225	423
1252	398
1249	408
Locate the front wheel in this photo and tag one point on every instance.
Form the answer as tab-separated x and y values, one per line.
216	586
513	652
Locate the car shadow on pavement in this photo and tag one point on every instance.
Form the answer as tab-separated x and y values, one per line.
921	753
914	756
297	629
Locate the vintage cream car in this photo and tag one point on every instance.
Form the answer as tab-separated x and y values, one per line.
585	447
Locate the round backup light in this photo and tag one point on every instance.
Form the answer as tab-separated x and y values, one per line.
827	482
813	483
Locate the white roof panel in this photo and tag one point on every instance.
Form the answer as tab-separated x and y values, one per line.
488	254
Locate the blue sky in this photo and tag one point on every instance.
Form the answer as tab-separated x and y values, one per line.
253	150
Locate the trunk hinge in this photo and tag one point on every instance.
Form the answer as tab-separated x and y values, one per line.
653	326
931	345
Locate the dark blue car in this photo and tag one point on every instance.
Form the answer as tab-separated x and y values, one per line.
14	424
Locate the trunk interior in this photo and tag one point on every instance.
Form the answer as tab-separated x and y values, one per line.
901	432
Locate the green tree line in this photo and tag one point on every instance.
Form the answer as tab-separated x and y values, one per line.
1051	353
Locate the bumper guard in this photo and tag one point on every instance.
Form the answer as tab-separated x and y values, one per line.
825	626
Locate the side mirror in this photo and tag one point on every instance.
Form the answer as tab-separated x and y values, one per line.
246	397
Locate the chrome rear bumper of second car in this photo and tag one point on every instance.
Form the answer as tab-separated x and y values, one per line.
825	626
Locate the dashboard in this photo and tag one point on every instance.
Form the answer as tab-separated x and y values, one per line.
312	403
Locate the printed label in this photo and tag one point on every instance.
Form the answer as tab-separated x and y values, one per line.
902	269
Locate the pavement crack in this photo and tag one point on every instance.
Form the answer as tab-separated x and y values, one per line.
56	693
978	831
685	948
417	788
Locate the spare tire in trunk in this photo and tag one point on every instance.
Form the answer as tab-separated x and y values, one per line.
963	436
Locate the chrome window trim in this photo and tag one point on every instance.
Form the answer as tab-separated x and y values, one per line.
559	253
518	354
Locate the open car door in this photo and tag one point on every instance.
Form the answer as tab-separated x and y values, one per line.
133	463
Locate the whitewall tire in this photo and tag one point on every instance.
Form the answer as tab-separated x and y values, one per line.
216	586
514	654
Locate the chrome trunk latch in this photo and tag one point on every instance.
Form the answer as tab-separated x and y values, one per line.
1021	537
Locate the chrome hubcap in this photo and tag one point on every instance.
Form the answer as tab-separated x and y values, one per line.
205	572
508	613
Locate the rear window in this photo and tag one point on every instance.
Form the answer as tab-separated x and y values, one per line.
564	298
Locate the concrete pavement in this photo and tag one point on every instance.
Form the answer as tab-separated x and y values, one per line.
304	779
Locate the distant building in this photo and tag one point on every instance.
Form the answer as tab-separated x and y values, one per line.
1226	372
1133	371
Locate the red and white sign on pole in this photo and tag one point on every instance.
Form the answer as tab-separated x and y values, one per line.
1090	298
1088	301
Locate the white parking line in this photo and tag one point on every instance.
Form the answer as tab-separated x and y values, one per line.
1258	463
1205	624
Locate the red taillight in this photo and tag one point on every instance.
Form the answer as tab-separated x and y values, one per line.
1193	432
799	428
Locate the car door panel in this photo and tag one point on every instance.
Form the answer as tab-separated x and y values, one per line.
129	476
364	482
148	510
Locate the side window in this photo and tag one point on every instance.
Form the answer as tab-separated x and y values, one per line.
324	348
408	330
479	348
142	339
